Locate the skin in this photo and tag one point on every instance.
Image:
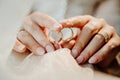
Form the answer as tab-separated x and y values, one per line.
110	11
32	34
89	45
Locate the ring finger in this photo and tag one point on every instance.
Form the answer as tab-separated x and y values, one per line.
87	33
96	43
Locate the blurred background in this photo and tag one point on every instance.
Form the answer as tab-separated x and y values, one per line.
11	15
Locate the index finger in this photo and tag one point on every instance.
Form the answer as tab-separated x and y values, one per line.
78	21
45	21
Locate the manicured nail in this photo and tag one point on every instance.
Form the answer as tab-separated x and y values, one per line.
40	51
57	26
74	52
93	60
21	48
49	48
80	59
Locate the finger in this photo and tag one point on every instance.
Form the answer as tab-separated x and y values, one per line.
37	34
95	44
90	29
69	44
45	21
78	21
105	50
30	43
57	46
19	47
106	61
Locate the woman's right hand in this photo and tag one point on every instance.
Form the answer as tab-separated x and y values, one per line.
32	34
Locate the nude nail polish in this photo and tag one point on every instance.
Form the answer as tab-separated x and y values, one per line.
74	52
21	48
40	51
49	48
92	60
80	59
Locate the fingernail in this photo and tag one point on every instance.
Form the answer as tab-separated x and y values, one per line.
40	51
57	26
74	52
80	59
92	60
49	48
21	48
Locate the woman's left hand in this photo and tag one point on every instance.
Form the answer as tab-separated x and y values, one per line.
97	42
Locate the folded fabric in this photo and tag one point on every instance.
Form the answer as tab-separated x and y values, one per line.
57	65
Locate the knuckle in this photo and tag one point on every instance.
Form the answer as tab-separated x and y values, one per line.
94	26
89	28
89	16
102	21
29	25
112	29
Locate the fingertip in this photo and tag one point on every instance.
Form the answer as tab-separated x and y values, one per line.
93	60
74	52
80	59
40	51
22	48
19	47
49	48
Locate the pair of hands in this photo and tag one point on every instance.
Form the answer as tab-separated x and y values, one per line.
96	42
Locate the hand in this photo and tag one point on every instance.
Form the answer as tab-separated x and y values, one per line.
32	36
96	42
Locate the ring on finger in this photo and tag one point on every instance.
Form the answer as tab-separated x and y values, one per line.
105	35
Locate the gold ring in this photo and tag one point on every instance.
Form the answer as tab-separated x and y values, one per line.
105	35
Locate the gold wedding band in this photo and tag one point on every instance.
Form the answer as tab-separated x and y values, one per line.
105	35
